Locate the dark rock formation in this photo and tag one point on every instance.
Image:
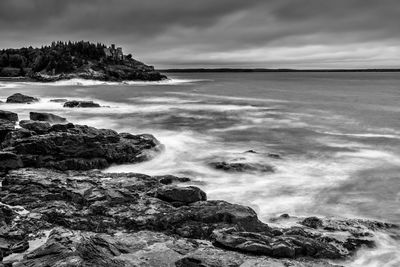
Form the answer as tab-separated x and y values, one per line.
20	98
38	127
69	146
80	104
9	161
59	100
144	248
170	179
8	116
86	203
241	167
42	116
180	195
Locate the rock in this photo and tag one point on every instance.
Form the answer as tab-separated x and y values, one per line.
181	195
102	213
77	147
59	100
6	127
42	116
80	104
170	179
20	98
35	126
9	161
144	248
8	116
241	167
312	222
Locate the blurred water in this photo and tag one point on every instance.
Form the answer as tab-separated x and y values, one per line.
338	135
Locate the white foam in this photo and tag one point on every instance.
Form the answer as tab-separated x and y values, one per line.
86	82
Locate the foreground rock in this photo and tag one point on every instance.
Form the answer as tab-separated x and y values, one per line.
109	220
80	104
20	98
144	248
49	117
241	167
74	147
8	116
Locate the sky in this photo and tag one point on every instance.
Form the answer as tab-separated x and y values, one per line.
303	34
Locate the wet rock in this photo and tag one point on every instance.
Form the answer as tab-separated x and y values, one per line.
312	222
20	98
80	104
8	116
6	127
42	116
181	195
144	248
9	161
241	167
70	146
170	179
59	100
35	126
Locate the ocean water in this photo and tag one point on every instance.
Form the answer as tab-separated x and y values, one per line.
337	134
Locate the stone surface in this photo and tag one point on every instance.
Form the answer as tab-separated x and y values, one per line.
69	146
94	208
35	126
9	161
241	167
49	117
8	116
180	195
59	100
20	98
80	104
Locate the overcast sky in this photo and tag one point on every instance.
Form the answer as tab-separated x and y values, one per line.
217	33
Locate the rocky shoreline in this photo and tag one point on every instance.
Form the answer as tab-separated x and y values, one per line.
58	209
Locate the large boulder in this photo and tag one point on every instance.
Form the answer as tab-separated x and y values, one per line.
69	146
181	195
8	116
49	117
20	98
80	104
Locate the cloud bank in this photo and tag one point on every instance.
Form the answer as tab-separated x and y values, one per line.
206	33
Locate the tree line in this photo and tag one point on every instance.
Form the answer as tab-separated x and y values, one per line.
59	56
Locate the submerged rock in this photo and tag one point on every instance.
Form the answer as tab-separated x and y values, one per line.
241	167
80	104
8	116
20	98
59	100
49	117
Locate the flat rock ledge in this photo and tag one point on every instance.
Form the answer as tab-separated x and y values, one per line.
90	218
70	147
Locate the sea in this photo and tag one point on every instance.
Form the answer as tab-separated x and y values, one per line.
337	136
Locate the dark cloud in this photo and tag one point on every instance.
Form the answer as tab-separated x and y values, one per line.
168	33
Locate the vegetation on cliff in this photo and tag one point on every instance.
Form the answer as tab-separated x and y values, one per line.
65	60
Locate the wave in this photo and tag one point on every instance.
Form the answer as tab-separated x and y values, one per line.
366	135
85	82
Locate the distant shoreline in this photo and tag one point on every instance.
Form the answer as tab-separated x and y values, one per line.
191	70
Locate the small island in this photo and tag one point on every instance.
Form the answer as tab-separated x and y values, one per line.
68	60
